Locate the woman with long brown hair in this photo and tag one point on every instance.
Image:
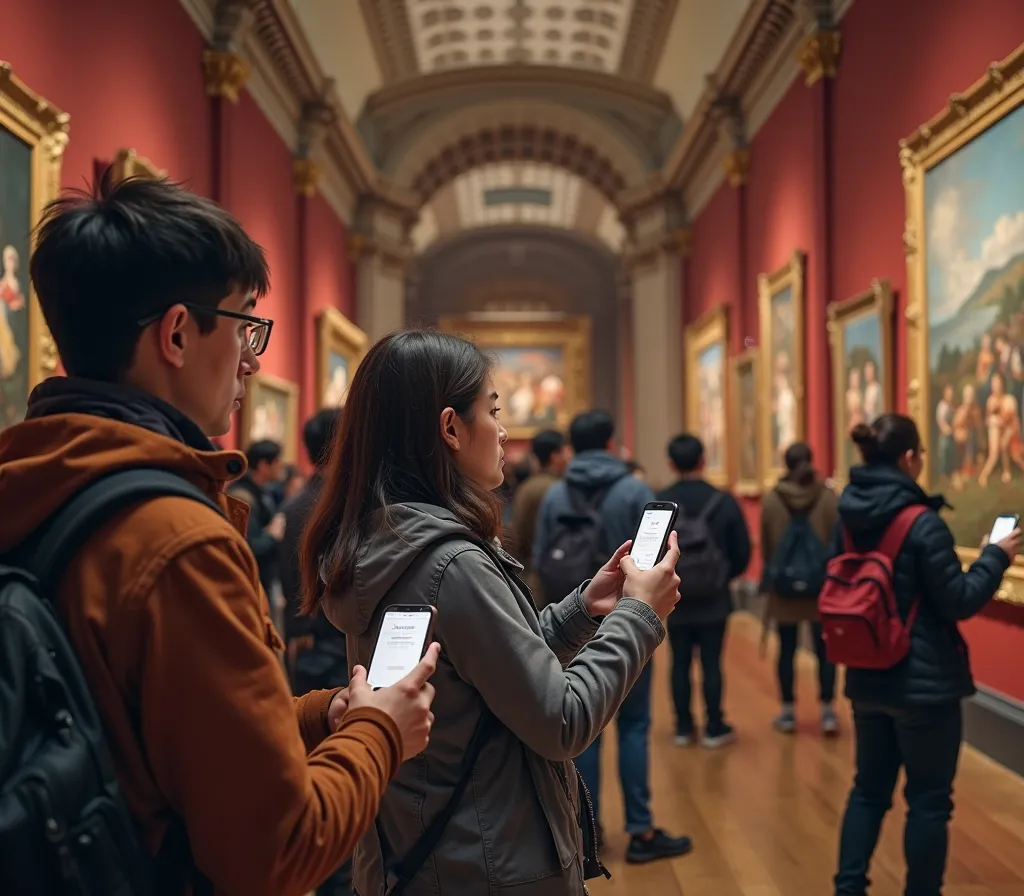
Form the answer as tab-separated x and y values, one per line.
407	515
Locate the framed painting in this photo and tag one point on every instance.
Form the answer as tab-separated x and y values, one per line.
707	341
781	315
745	424
128	163
542	368
860	331
340	347
271	411
33	135
964	244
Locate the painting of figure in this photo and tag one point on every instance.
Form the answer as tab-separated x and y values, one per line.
748	462
974	226
783	409
15	227
337	381
711	405
271	411
531	381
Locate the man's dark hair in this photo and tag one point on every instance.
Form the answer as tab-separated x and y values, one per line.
545	444
685	451
316	433
265	451
591	431
131	249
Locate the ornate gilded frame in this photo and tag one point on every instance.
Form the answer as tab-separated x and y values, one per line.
877	300
128	163
966	116
571	333
790	275
30	118
749	359
338	335
266	382
711	328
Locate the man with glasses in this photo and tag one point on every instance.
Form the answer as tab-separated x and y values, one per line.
149	292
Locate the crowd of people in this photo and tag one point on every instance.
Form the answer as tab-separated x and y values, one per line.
226	759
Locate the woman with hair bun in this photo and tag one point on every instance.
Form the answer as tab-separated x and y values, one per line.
801	496
909	715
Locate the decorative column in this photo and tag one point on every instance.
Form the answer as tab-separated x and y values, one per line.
819	57
654	259
382	256
226	72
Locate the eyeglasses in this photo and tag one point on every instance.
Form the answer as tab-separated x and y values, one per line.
257	334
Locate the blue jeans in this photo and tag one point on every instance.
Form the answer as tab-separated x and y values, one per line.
925	741
634	725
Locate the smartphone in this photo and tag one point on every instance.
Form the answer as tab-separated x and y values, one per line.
1005	523
651	539
404	635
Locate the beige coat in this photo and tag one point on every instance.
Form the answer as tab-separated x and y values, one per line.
775	517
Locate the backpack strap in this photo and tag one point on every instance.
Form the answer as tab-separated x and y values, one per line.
710	506
898	530
55	544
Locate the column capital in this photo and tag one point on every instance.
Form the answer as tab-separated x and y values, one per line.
736	165
225	73
727	115
305	176
819	55
657	227
381	231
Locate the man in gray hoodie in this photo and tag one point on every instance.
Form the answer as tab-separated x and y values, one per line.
594	469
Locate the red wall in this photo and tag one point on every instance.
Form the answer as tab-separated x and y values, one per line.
900	63
149	95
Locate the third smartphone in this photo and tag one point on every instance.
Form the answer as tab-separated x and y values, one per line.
651	539
403	638
1005	523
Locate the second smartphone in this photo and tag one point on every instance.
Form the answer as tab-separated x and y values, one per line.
651	539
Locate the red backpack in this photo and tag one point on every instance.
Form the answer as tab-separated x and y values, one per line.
860	619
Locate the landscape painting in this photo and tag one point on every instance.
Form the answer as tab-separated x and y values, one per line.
541	368
860	330
782	341
745	424
965	304
706	388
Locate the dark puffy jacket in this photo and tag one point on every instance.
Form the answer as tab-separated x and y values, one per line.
937	669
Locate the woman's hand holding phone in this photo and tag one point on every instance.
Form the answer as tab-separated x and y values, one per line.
407	702
605	589
657	587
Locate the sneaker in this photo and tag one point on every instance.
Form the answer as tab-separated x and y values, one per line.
829	722
659	846
685	737
718	736
786	721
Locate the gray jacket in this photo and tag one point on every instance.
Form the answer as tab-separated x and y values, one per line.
554	680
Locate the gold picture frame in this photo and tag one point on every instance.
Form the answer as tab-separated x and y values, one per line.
709	333
746	432
773	287
554	355
44	130
874	303
969	115
128	163
279	422
338	340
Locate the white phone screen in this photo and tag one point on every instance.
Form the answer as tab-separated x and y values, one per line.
399	647
649	537
1002	527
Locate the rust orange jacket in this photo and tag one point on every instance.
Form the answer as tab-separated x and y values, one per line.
165	610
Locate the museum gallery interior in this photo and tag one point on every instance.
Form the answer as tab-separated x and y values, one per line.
762	221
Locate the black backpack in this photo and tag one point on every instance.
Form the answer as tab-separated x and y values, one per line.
797	568
64	827
576	547
702	568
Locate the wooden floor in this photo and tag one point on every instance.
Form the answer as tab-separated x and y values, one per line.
764	813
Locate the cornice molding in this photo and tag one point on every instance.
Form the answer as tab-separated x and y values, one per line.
646	38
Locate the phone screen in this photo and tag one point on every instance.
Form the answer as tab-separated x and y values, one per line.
400	645
650	536
1002	527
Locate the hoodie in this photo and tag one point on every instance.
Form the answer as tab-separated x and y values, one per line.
937	668
164	610
553	679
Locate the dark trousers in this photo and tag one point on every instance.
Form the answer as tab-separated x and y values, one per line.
787	658
926	742
709	640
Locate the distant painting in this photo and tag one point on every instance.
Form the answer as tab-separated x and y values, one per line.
270	411
711	405
337	381
783	412
748	461
531	382
15	227
974	226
